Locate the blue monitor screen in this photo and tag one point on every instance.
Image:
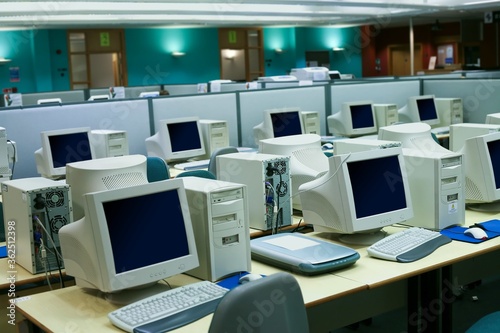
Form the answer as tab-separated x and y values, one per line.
286	123
184	136
377	186
362	116
146	230
426	109
494	151
69	148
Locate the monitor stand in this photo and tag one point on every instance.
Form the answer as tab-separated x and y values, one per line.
131	295
363	238
488	207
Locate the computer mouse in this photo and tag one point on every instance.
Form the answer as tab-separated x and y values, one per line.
476	232
328	145
249	277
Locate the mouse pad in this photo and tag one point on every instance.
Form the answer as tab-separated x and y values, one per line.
491	227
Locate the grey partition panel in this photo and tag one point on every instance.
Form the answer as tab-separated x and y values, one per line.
254	103
479	96
70	96
182	89
482	74
235	86
205	106
24	126
395	92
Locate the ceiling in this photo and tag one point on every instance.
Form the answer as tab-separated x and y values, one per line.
234	13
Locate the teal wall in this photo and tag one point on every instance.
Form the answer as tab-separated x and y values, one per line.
42	56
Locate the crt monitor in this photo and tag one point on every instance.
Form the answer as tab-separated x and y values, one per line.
278	123
130	238
355	203
60	147
493	118
177	139
482	172
420	109
354	119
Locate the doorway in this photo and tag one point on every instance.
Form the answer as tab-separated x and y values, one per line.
318	58
400	60
96	58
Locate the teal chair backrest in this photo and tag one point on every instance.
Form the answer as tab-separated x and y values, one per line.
157	169
197	173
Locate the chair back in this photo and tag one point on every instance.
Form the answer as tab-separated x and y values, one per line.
269	305
197	173
157	169
212	163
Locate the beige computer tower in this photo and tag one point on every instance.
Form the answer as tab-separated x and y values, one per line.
219	213
215	135
26	200
267	178
311	122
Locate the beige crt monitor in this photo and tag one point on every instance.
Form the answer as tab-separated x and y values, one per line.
461	132
493	118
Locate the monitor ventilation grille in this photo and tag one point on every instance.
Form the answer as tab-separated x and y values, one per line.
472	191
124	180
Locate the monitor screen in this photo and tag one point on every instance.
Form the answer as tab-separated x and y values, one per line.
481	156
286	123
117	246
427	109
60	147
279	123
177	139
350	200
353	119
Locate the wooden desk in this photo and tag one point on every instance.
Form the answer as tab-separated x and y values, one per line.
77	310
332	300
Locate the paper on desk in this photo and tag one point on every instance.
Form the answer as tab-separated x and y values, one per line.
291	243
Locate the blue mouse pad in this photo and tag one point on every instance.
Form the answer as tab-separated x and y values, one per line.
3	251
492	229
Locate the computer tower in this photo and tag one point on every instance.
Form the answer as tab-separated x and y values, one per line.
109	143
215	135
386	114
311	122
268	181
219	213
28	200
450	111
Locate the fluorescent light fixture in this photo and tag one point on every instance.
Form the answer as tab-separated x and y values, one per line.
178	54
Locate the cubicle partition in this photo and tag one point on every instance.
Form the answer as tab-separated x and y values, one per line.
24	126
69	96
220	106
253	103
479	96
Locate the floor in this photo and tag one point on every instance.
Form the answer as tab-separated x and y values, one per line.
474	302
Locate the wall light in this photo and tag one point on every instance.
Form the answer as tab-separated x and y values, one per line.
279	51
178	54
335	49
229	54
4	61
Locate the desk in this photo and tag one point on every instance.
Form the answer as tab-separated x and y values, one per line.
332	300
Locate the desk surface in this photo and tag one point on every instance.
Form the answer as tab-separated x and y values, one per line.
80	310
77	309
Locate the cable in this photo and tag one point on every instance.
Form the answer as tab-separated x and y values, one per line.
45	262
57	254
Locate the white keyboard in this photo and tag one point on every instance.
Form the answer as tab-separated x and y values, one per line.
169	309
408	245
441	130
192	165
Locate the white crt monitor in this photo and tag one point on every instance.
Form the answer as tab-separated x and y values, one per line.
354	119
461	132
311	73
278	123
176	139
60	147
420	109
130	237
361	193
482	171
493	118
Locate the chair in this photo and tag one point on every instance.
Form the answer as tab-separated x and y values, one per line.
157	169
489	323
197	173
212	164
268	305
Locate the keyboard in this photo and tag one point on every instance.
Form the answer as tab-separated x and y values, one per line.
441	130
408	245
192	165
170	309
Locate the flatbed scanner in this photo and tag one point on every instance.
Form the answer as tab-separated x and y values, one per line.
302	254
